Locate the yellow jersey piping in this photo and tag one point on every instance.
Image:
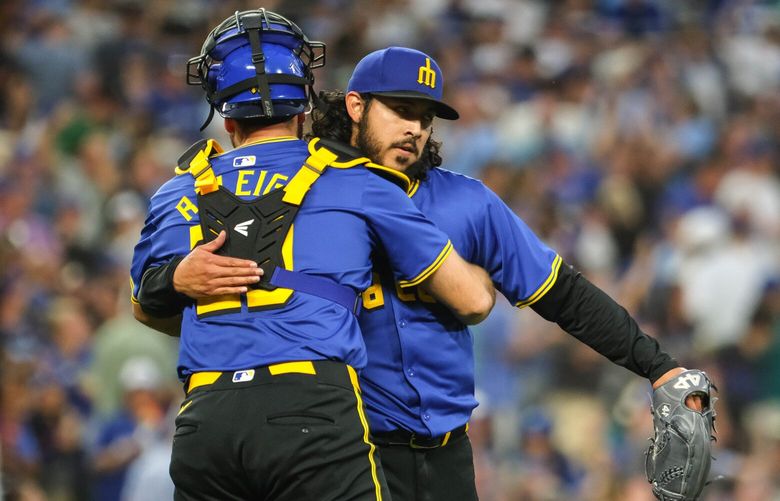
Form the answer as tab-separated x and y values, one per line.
546	286
430	269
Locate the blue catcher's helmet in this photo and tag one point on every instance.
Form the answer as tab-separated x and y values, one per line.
256	64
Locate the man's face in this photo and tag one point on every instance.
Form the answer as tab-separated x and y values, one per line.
393	131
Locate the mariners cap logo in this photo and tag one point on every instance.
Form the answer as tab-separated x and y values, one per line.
391	72
426	75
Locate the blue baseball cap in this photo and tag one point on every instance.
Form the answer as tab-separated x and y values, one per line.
404	73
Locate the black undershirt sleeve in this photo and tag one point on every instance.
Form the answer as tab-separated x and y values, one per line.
157	296
590	315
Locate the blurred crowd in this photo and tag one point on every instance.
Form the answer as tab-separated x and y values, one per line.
639	138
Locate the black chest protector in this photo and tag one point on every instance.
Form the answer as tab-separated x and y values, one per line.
256	229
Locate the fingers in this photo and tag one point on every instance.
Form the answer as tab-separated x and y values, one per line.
206	254
216	281
215	244
234	281
217	269
695	402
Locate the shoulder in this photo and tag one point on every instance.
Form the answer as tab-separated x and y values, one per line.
175	187
454	180
452	184
342	156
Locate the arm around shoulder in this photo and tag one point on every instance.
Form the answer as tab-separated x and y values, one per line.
465	288
170	325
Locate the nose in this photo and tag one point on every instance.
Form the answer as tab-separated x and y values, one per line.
414	127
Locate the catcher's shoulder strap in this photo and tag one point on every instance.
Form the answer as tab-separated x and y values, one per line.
256	229
196	161
394	176
347	157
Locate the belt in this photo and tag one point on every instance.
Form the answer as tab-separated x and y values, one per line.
316	371
415	441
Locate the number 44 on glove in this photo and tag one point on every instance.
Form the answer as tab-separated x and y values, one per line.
678	460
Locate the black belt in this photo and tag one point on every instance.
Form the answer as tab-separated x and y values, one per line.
415	441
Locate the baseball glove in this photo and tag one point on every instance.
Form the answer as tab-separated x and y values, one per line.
678	460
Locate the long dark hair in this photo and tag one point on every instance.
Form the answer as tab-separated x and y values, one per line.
330	120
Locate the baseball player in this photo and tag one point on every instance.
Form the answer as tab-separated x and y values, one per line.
273	407
419	382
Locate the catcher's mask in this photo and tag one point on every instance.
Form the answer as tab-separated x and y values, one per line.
256	64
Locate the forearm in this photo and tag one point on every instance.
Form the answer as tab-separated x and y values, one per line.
157	297
590	315
168	325
464	288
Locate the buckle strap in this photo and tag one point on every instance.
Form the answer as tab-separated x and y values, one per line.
310	171
196	161
251	83
317	286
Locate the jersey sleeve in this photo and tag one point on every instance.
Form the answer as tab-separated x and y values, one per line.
414	245
167	233
521	266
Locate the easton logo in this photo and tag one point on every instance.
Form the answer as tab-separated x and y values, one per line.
243	228
685	382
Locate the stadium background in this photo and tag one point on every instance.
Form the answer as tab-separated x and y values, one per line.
639	138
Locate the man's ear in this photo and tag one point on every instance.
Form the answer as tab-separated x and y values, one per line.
355	106
230	125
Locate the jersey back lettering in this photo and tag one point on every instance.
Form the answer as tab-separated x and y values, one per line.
348	214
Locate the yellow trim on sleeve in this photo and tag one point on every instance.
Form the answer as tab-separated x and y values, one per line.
430	269
133	299
371	448
546	286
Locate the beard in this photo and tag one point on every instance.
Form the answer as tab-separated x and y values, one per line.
372	147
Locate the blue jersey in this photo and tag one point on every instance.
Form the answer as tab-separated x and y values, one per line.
349	213
420	373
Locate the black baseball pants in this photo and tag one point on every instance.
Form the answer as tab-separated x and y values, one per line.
278	433
443	473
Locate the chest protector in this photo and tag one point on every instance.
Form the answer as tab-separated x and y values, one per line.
256	229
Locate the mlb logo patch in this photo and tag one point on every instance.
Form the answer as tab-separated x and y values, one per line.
243	376
247	161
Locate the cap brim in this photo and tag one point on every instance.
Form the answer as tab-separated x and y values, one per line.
443	110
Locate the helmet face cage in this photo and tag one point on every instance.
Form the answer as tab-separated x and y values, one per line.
272	27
